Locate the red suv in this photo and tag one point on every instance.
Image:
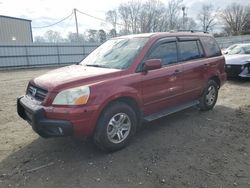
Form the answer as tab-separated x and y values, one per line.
125	81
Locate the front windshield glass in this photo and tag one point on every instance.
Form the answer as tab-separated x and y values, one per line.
240	50
231	47
115	53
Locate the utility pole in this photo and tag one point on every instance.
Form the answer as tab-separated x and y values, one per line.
183	17
77	33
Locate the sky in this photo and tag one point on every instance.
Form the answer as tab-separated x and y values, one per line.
46	12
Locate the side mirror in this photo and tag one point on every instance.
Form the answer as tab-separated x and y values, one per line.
152	64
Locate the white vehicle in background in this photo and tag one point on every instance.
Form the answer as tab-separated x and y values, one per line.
238	61
228	49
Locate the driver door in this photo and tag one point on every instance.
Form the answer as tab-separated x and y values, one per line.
162	88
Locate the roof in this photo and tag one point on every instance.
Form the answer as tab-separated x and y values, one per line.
8	17
166	34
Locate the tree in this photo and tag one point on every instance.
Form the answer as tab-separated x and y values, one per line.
92	35
152	17
111	17
39	39
134	8
73	38
173	11
190	24
129	14
112	33
246	28
235	18
149	16
102	36
207	17
53	36
124	16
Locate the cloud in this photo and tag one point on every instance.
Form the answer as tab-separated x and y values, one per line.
45	12
194	6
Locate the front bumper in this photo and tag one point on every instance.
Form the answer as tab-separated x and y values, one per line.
35	116
238	70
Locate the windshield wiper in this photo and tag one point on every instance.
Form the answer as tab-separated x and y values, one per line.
95	65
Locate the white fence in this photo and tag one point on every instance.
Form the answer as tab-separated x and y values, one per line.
36	55
224	42
17	56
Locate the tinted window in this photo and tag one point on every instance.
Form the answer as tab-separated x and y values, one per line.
188	50
200	49
210	46
167	52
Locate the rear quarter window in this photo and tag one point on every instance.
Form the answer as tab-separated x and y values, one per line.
211	47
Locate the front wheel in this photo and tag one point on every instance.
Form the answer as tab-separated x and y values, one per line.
209	96
115	127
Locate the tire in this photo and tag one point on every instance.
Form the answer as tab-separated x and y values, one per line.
209	96
116	127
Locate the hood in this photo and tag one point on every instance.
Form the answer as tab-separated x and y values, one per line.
72	75
237	59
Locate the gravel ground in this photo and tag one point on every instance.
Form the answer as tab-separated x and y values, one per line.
187	149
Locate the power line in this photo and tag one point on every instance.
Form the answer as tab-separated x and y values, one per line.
100	19
69	16
67	24
90	16
40	27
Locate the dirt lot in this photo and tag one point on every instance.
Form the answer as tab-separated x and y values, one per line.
188	149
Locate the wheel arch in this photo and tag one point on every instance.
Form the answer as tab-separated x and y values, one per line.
131	101
216	79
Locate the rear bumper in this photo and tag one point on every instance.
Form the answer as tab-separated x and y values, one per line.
35	116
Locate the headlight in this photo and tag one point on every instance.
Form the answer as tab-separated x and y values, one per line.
242	67
74	96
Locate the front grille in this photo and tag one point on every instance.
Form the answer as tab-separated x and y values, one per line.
233	70
36	92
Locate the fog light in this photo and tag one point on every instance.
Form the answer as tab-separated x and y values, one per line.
60	130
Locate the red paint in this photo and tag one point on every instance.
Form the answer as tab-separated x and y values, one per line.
153	90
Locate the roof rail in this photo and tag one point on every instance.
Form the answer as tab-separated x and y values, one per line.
192	31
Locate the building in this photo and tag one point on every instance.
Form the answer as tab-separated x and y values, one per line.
15	30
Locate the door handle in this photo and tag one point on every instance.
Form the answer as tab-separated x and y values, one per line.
176	72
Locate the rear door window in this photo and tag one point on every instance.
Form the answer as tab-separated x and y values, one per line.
167	52
189	50
211	46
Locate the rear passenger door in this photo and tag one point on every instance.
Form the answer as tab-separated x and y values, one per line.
191	56
162	87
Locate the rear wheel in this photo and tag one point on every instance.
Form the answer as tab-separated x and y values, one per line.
115	127
209	97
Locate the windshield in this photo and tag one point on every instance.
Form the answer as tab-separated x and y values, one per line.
231	47
240	50
115	53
